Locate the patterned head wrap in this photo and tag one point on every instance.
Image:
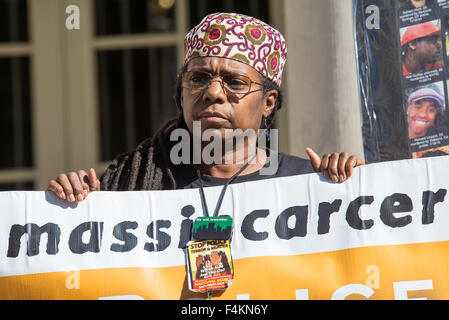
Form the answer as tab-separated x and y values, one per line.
239	37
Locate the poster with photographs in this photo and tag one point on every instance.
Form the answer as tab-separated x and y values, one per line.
402	52
423	42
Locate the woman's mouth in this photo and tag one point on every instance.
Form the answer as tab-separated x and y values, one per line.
213	117
421	122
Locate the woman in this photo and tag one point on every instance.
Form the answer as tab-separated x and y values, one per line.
422	111
230	81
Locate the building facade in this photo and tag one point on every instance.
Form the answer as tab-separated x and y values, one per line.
74	98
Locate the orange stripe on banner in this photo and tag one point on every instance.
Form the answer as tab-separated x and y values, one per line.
260	278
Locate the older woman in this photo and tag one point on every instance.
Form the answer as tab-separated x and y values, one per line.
230	81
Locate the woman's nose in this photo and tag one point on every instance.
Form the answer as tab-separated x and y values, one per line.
424	113
215	91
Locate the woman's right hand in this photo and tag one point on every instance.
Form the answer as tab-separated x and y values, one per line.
74	186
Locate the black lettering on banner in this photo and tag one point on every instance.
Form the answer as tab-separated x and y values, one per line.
34	237
396	203
163	239
300	230
325	210
186	226
76	243
429	199
247	228
120	233
352	213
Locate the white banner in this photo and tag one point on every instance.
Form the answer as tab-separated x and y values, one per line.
385	204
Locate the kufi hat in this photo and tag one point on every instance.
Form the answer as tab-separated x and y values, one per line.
241	38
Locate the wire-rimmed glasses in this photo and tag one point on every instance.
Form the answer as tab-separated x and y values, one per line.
233	83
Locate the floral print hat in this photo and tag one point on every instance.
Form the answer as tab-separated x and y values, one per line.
241	38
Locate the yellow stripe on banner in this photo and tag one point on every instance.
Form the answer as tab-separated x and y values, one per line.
321	274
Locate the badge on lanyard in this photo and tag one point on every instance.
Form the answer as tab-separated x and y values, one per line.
210	266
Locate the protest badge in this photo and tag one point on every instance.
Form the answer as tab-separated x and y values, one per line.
210	265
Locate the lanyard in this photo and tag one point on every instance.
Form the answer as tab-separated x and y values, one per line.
223	191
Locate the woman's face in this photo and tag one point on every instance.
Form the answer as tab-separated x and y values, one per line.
218	110
421	116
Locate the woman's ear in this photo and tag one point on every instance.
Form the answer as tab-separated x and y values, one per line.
270	102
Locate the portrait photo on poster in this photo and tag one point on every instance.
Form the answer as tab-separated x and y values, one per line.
426	112
422	53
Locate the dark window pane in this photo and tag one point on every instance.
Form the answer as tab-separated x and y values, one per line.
255	8
13	20
136	90
15	121
24	186
134	16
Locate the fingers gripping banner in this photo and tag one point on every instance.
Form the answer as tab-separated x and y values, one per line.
383	234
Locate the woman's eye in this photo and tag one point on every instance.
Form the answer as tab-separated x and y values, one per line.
199	78
236	83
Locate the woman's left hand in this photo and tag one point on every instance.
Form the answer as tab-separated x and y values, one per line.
337	167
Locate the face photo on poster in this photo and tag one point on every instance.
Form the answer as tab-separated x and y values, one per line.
422	53
415	11
426	117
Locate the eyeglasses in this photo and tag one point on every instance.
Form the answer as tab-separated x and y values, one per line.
233	82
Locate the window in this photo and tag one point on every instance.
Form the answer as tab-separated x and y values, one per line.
15	122
136	96
256	8
13	21
136	16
